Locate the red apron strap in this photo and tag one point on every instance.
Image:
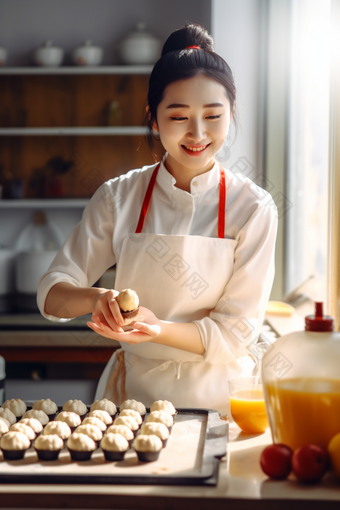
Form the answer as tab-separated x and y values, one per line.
148	194
147	199
221	206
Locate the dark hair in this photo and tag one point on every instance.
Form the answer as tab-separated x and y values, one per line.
177	62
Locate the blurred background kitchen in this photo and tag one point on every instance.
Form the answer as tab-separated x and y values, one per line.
73	83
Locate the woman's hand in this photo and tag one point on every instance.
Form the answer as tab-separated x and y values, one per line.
145	331
106	311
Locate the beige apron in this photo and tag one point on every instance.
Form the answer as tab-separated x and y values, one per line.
181	279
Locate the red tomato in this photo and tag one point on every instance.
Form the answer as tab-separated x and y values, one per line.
275	461
309	463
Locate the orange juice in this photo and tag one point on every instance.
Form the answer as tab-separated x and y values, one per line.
248	410
303	411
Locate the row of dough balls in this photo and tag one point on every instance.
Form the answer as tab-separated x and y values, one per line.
92	427
120	436
45	409
16	408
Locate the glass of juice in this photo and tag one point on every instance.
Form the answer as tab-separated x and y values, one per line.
247	405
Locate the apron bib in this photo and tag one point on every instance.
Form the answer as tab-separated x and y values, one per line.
181	279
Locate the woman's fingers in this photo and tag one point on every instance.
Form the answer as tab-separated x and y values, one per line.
100	320
153	330
110	318
131	337
115	310
107	309
94	326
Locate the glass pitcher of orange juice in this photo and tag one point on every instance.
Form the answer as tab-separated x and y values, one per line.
301	383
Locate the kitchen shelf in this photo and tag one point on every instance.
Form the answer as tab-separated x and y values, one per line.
143	69
51	203
75	131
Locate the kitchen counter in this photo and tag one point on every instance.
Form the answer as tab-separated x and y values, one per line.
241	485
33	338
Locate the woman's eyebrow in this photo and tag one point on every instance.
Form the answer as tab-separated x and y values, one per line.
212	105
179	105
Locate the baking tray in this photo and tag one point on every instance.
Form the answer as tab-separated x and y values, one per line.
192	456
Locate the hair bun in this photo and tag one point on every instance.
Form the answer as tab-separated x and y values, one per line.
192	34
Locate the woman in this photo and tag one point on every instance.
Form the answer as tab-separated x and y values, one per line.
190	237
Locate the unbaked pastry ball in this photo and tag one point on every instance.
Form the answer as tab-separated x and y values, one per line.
58	428
114	443
161	417
5	421
21	427
8	415
38	415
51	442
95	421
135	405
134	414
104	405
72	419
146	443
16	405
127	300
75	406
14	441
90	430
81	443
128	421
4	427
101	415
121	429
35	424
163	405
157	429
46	405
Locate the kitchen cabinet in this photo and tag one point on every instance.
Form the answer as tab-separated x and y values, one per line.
57	141
46	359
61	113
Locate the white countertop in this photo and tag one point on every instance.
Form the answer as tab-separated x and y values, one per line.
240	478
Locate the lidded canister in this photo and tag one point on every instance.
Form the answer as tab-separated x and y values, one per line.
301	382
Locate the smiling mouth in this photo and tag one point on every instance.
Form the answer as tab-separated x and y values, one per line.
195	149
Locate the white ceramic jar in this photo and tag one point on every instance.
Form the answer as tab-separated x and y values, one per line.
140	47
48	55
3	56
30	266
88	54
36	248
7	257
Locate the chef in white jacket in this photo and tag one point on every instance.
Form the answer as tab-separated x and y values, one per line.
193	239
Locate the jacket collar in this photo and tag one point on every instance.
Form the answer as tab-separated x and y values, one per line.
199	184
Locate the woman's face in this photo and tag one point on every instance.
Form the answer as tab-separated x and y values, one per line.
193	120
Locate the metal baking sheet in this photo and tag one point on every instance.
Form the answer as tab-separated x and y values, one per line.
192	455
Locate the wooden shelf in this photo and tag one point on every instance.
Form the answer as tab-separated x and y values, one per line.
57	354
67	114
50	203
78	70
75	131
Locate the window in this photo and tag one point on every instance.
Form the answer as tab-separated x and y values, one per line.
308	146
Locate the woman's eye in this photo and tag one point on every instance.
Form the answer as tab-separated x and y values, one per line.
214	117
178	118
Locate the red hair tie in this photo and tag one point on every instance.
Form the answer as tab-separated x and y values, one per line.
192	47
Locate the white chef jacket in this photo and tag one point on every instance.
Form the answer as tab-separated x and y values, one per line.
250	219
